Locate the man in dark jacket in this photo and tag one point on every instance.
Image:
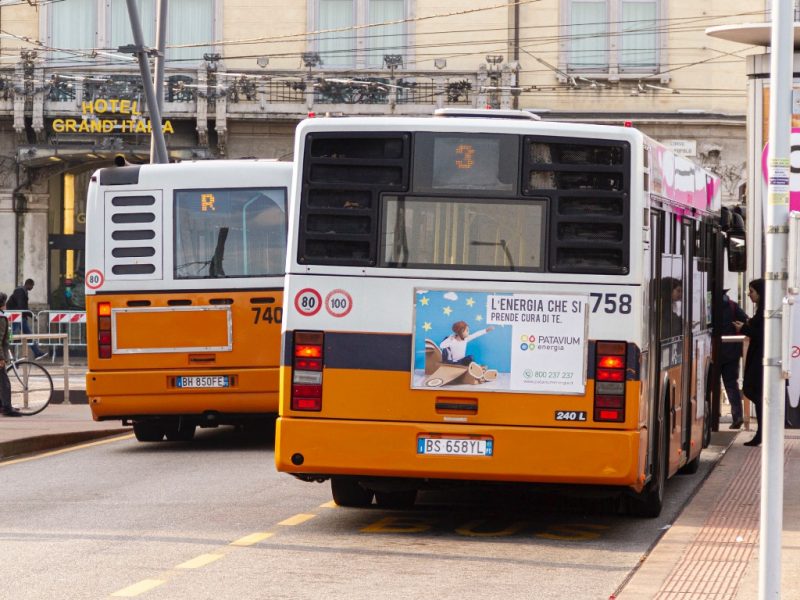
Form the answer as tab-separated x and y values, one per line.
730	355
19	301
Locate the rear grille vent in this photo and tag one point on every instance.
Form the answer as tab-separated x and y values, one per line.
342	180
133	225
589	192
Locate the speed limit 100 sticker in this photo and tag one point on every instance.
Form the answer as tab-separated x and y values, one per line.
338	303
94	279
308	302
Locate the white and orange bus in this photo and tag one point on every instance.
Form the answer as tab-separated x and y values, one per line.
495	299
184	280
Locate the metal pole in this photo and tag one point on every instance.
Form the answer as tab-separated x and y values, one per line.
147	82
161	42
776	237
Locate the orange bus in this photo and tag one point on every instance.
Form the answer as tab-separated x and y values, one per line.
184	280
499	299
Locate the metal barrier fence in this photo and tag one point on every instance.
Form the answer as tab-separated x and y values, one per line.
15	318
71	323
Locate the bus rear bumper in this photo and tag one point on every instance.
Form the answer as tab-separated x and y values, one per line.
520	454
123	394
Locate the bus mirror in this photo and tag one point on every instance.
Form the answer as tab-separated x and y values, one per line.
737	251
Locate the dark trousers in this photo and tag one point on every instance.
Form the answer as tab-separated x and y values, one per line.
5	390
26	328
730	377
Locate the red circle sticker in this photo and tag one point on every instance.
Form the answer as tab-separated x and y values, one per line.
94	279
308	302
338	303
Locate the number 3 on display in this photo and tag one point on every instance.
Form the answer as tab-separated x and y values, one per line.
467	154
612	303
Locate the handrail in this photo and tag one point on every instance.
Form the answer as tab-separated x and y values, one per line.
25	337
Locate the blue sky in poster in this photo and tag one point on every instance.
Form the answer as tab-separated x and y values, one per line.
437	310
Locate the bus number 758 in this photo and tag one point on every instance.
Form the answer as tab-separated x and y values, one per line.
612	303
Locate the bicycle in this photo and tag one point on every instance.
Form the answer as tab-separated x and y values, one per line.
31	386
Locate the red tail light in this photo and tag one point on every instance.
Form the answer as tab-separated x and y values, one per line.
307	364
104	329
609	387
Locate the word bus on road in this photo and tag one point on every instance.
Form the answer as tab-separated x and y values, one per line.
184	280
495	299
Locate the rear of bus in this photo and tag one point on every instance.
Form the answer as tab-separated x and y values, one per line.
184	291
463	303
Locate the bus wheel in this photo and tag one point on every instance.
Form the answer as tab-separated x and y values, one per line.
707	421
180	431
348	492
148	431
396	499
650	500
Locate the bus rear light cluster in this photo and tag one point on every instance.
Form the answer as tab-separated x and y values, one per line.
104	329
609	389
307	363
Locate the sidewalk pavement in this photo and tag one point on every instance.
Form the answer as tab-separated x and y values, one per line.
709	553
59	424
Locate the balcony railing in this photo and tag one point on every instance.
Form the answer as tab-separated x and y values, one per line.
58	104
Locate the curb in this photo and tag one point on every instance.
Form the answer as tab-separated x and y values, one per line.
51	441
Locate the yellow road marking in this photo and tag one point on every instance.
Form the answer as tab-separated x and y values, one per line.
64	450
145	585
200	561
297	519
330	504
251	539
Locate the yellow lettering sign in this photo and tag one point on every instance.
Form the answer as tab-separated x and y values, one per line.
399	525
207	202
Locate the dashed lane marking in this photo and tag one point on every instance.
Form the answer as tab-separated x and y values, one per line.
64	450
297	519
145	585
200	561
329	504
251	539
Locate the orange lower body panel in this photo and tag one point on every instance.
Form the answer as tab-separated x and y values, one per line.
520	454
119	394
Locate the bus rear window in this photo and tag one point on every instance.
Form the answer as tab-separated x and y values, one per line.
229	232
450	233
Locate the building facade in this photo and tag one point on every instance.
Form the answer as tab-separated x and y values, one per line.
240	75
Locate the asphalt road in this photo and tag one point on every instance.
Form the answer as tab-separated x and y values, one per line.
213	519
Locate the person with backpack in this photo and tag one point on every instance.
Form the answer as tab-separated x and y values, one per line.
5	385
19	301
730	354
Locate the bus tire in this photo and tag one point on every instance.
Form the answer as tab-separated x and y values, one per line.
691	467
707	421
396	499
148	431
180	431
349	492
649	502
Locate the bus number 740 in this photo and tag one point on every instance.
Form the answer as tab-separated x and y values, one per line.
612	303
267	314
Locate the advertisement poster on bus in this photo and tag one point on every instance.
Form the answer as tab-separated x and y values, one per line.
507	342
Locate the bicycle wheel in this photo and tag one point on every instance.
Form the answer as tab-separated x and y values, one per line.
31	387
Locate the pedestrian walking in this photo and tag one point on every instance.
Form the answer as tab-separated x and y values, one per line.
19	301
753	382
5	385
730	356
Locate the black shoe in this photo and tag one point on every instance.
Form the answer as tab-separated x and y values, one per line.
13	412
737	424
756	441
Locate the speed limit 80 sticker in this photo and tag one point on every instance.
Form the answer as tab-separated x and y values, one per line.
308	302
338	303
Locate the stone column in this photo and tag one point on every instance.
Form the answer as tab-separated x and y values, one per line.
8	241
32	247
